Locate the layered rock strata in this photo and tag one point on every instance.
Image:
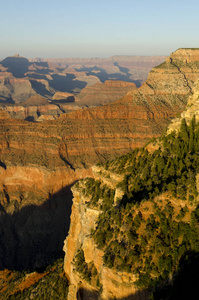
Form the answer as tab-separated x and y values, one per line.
103	93
21	78
192	109
127	68
164	94
86	136
45	158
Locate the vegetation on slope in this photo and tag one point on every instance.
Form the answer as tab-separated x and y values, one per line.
88	271
50	284
155	225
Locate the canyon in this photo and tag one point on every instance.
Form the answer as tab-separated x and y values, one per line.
60	81
110	283
40	161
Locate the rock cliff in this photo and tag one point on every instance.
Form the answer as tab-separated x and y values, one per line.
192	109
168	88
109	284
103	93
86	136
39	161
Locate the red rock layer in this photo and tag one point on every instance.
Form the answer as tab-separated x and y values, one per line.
87	136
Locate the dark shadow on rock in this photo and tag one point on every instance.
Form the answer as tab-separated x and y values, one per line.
43	71
30	119
4	100
69	99
185	284
84	294
87	295
122	69
66	83
103	75
3	165
18	66
40	88
32	238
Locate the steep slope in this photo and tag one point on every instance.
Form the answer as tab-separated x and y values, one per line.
86	136
40	161
191	110
135	225
33	109
26	285
14	89
103	93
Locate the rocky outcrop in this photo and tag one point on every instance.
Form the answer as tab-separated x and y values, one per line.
33	112
21	78
111	284
63	96
126	68
44	158
15	89
35	207
164	94
192	109
103	93
96	134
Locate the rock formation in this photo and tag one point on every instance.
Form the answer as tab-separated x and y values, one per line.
126	68
104	93
192	109
110	283
60	80
85	136
39	161
21	78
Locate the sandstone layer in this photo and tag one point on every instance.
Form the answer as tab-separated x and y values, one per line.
34	112
88	135
164	94
46	158
103	93
191	110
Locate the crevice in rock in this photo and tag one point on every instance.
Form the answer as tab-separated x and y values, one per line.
186	80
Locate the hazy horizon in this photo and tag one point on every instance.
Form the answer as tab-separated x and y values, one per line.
81	29
70	57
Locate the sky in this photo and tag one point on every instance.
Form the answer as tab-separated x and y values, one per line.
62	28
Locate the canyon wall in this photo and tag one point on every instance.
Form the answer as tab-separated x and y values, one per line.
112	284
39	161
103	93
83	137
168	88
